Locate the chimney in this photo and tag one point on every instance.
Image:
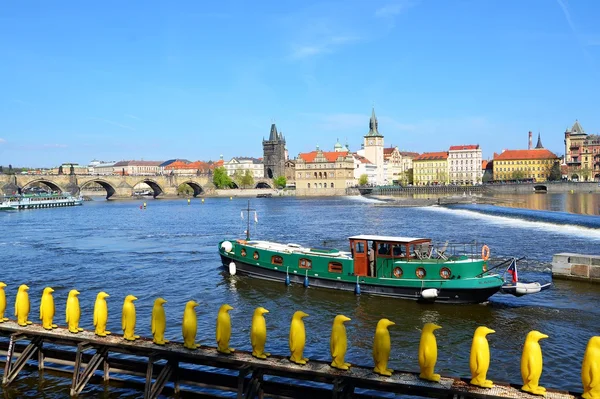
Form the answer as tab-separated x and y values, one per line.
530	143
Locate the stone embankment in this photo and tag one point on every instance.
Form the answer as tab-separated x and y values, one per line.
570	266
396	201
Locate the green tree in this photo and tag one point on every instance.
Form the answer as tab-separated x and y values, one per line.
555	173
410	176
363	180
220	178
280	181
247	179
237	177
518	175
185	189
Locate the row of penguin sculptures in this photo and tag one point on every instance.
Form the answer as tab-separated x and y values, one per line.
479	361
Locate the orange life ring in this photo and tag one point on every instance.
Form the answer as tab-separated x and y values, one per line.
397	272
485	252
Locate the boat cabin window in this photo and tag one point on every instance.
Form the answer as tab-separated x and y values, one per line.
304	263
335	267
383	249
277	260
360	247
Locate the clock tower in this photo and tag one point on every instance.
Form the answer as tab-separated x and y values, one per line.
373	145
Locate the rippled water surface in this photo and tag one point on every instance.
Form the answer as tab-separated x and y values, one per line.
170	250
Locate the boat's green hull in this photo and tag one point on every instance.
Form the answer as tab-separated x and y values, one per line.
466	282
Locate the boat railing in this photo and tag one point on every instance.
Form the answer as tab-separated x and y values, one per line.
450	251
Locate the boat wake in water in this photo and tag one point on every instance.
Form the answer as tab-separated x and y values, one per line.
556	222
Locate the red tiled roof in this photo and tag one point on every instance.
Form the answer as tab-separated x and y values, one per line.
388	151
432	156
464	147
218	163
331	156
539	153
484	164
409	154
192	165
360	158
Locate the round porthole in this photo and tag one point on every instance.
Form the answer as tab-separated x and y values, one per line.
398	272
420	272
243	251
255	256
445	273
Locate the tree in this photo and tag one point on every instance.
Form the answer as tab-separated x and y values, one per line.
280	181
185	189
555	173
247	179
221	179
237	177
363	180
517	175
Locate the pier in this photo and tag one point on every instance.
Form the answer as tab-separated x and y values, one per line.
205	373
571	266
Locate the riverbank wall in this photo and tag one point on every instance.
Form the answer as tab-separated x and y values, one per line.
550	187
571	266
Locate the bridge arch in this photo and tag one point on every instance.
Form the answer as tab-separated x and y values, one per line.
198	190
156	188
262	184
110	189
51	185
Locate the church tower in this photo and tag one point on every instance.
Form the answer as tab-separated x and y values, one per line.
274	154
373	145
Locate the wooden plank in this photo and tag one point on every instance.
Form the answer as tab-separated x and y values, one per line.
358	377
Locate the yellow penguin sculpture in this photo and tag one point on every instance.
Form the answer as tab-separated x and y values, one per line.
224	329
22	306
190	326
2	302
338	344
382	346
101	314
531	363
258	333
428	353
73	312
479	361
128	318
47	309
590	369
298	338
159	322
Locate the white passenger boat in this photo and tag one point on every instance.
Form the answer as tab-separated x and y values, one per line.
38	201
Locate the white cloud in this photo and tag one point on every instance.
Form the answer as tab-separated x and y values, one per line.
322	45
133	117
391	10
2	141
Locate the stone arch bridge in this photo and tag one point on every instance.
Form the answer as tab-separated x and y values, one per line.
116	186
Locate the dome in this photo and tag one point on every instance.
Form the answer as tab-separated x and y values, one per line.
338	146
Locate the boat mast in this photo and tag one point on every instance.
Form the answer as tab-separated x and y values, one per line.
248	209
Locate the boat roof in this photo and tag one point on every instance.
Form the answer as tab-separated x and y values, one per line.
388	238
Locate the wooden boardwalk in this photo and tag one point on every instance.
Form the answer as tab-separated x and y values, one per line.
86	356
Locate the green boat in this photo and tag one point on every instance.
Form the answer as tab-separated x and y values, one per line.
401	267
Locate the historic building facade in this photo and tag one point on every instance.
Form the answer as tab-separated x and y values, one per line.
582	154
254	165
431	168
464	164
373	148
324	173
524	164
274	154
397	165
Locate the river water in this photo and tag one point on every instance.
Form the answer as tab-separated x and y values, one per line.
169	249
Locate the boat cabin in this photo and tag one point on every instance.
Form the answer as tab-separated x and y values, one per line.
370	252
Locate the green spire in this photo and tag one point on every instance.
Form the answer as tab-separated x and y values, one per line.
373	125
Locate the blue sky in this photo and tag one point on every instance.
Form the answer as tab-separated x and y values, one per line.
117	80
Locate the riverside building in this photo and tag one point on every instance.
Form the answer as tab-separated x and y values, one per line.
431	168
324	172
464	164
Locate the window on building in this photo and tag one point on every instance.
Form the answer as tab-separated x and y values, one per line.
331	185
308	185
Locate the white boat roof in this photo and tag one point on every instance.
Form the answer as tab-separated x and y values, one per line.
387	238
